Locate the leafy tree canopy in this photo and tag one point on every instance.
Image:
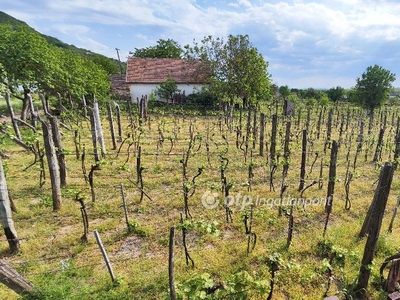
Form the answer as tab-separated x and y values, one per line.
373	88
30	62
167	89
336	93
312	93
164	49
284	91
239	71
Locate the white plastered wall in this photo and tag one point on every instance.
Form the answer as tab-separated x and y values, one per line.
141	89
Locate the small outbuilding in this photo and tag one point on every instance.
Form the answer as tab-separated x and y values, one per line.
144	75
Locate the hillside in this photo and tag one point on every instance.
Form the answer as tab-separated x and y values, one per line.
5	18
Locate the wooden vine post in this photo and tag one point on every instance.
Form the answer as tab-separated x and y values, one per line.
319	123
124	206
262	132
372	226
105	256
32	109
52	162
111	123
254	129
378	149
59	150
360	141
13	119
303	159
328	130
13	280
118	117
272	151
171	277
6	213
331	183
286	155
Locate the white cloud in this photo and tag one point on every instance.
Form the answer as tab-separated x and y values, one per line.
294	35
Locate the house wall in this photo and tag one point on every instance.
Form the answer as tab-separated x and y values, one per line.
138	90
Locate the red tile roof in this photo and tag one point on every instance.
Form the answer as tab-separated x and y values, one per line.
156	70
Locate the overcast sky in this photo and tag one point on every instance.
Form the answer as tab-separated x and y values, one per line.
319	44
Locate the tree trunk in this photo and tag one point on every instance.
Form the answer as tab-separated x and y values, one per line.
6	214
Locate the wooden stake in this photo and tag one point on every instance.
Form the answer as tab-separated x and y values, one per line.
172	292
13	119
13	280
372	226
104	253
124	205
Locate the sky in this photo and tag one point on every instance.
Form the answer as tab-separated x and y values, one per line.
318	44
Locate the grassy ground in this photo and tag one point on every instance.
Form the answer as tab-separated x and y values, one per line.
60	266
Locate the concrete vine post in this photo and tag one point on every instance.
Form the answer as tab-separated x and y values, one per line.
99	129
6	213
94	134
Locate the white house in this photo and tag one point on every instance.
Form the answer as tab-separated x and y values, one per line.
144	75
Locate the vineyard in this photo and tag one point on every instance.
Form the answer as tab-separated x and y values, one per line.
202	203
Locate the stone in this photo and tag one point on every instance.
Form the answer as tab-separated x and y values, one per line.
394	296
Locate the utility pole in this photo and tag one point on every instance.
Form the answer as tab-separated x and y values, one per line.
119	61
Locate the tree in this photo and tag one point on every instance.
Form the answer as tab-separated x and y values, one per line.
324	101
312	93
373	88
336	93
30	63
164	49
239	71
24	55
109	65
167	89
284	91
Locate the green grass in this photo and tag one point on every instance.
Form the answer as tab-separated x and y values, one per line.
60	266
16	104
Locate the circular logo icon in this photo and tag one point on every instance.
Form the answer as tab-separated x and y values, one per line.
209	200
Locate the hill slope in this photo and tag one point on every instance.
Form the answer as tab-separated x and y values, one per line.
5	18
